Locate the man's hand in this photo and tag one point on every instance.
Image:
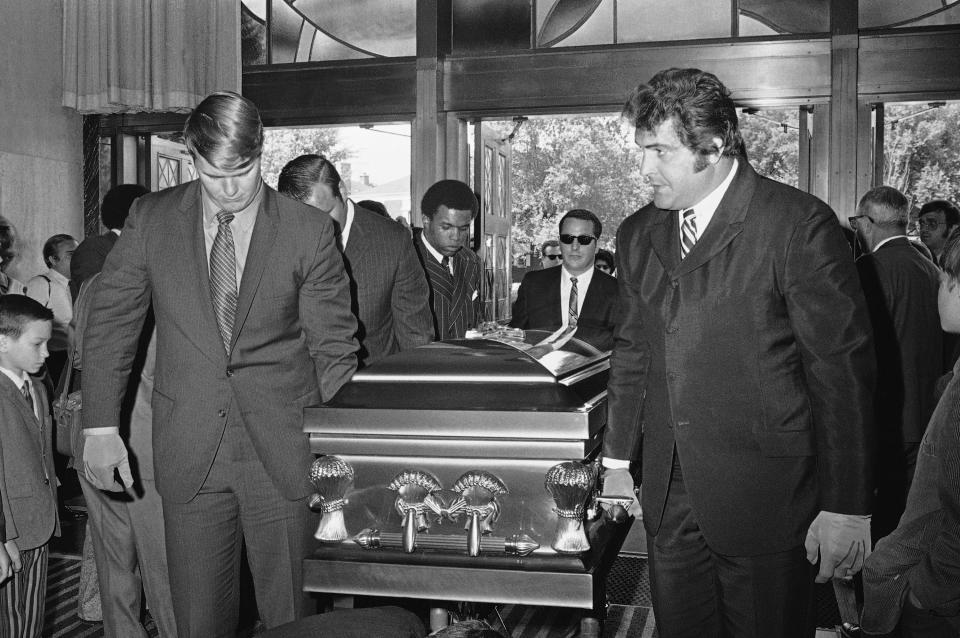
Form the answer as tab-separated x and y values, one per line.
619	482
6	565
842	542
102	454
13	552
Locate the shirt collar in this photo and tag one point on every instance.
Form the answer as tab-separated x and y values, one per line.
18	380
242	221
707	206
583	279
57	277
347	224
887	240
433	251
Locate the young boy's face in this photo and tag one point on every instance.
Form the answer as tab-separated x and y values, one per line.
27	352
948	300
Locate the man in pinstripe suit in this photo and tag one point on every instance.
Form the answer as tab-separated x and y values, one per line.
388	290
453	270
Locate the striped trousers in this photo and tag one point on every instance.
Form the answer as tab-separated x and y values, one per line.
22	597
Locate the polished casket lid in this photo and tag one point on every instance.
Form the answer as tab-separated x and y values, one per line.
535	374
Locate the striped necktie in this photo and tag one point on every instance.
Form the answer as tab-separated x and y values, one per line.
688	232
572	306
223	277
25	390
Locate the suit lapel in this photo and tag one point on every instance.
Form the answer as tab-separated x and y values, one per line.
552	294
261	242
194	243
664	238
15	397
727	221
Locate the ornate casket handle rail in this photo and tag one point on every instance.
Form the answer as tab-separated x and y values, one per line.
412	488
331	476
516	545
571	484
479	489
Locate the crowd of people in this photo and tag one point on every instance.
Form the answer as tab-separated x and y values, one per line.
784	408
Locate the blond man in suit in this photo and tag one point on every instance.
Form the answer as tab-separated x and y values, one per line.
253	323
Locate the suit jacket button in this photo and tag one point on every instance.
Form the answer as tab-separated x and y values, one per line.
46	481
221	413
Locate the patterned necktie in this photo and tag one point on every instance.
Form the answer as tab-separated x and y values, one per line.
688	232
223	277
25	390
572	306
445	262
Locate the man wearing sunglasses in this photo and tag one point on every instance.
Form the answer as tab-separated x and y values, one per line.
550	255
576	294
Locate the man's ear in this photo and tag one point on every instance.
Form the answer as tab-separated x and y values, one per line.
714	156
4	342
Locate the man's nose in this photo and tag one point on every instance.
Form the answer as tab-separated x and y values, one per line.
230	186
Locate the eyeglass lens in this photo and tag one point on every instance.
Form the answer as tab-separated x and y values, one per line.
583	240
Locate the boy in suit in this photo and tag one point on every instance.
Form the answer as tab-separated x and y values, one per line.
28	492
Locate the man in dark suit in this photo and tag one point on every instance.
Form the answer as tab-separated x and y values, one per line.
575	294
911	583
550	254
453	270
253	323
89	256
743	360
900	286
389	291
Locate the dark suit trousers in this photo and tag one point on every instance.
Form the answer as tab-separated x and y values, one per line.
698	593
237	504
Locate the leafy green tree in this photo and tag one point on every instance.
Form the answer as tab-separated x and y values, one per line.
280	145
920	151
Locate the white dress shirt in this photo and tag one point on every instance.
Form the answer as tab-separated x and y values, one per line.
19	381
241	227
53	291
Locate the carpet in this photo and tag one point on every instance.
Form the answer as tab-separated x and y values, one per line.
623	620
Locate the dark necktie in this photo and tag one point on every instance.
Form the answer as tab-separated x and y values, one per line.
445	262
25	390
688	232
572	306
223	277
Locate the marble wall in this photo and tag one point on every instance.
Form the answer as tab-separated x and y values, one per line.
40	140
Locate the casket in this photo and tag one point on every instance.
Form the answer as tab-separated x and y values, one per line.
448	448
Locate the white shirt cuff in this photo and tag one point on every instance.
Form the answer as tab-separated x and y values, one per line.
97	431
616	464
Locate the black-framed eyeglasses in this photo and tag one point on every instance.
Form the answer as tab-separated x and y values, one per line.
930	223
560	257
583	240
853	220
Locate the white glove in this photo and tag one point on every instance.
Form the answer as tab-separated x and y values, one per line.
842	542
102	454
619	482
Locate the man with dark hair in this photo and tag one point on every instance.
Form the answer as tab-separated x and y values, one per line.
375	206
574	295
453	270
391	299
550	254
743	359
900	286
937	219
89	256
253	323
